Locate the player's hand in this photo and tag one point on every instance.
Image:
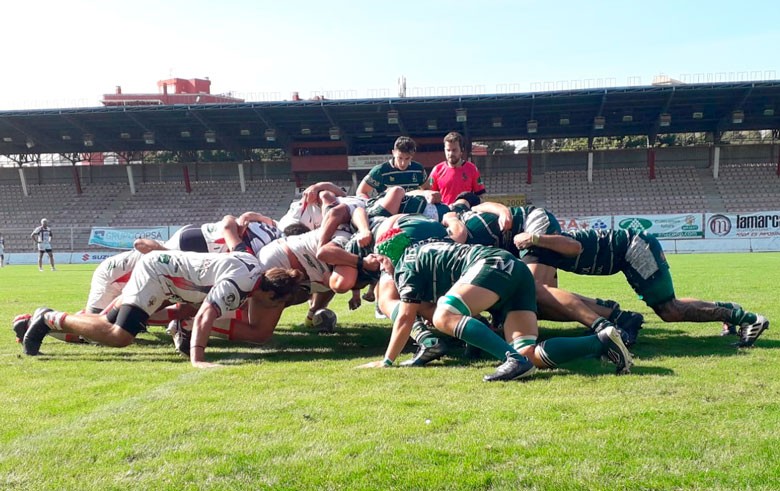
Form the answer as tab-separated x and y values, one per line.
372	262
364	238
374	364
433	197
384	263
505	222
310	195
524	240
205	364
354	302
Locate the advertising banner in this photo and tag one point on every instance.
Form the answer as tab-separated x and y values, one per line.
753	225
90	257
681	226
506	199
569	223
355	162
122	238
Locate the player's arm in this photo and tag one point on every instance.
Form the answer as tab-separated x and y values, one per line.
503	212
402	327
360	221
311	194
562	244
201	329
455	227
253	216
231	232
364	189
431	196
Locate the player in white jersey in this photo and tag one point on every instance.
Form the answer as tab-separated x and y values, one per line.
210	237
109	278
42	237
221	281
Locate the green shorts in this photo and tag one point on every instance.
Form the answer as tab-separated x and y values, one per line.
507	277
647	270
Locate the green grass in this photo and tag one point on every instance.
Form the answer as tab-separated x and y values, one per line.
696	413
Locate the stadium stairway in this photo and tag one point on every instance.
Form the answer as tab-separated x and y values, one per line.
713	200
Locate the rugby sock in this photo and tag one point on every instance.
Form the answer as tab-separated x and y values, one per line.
54	319
477	334
610	304
422	335
599	324
740	317
555	351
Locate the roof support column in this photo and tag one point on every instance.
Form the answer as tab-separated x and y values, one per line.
76	179
590	159
23	180
130	179
778	164
529	163
716	161
187	185
651	156
241	177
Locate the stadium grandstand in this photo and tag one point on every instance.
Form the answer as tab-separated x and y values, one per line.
136	163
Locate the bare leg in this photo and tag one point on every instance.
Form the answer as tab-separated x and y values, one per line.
692	310
98	329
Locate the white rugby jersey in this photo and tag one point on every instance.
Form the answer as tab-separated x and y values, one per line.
212	234
111	275
259	235
309	215
304	247
42	235
224	280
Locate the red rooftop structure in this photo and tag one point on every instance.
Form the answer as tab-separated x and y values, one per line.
171	91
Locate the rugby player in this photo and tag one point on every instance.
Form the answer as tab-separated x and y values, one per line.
464	280
222	282
640	257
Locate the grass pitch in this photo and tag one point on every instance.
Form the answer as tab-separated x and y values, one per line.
696	413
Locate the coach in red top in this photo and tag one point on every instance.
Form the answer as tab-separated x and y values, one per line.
455	175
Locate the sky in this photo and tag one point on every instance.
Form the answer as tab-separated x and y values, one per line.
68	53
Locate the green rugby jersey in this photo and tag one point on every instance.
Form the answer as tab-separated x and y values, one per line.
383	175
603	252
427	272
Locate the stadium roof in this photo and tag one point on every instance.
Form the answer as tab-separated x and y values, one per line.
238	127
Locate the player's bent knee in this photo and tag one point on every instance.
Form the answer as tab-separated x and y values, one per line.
119	338
453	303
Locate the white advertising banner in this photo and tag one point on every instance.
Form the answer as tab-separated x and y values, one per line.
680	226
123	238
569	223
355	162
753	225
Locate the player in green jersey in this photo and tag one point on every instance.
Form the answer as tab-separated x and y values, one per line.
640	257
500	226
463	280
401	171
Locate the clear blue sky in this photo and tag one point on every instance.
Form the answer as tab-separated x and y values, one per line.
68	53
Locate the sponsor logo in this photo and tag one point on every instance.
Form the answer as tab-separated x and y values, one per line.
85	257
640	224
758	221
720	225
599	225
229	299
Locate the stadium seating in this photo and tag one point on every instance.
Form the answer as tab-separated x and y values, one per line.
750	186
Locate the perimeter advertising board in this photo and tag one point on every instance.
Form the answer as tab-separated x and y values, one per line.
681	226
754	225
